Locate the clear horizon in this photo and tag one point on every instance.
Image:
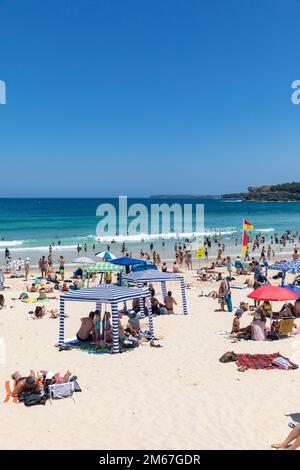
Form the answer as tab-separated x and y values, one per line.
143	98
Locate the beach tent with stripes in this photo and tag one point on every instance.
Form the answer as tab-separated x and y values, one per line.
285	267
149	276
106	294
101	268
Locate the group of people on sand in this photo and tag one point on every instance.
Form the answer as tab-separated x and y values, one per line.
99	332
37	382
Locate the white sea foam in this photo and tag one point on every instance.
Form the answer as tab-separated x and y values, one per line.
11	243
160	236
43	248
264	230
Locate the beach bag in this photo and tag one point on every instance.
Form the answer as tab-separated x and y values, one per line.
283	363
130	342
60	391
229	356
35	398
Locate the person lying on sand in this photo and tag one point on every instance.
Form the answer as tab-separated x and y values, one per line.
50	378
288	443
26	384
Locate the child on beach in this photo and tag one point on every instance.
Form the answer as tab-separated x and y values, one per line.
106	325
97	326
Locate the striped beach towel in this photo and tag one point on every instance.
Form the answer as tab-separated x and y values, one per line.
261	361
9	387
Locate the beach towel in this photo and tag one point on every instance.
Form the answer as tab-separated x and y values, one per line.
9	387
86	346
261	361
29	300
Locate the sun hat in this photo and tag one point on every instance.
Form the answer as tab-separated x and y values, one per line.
49	376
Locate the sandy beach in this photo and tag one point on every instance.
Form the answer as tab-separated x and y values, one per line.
176	397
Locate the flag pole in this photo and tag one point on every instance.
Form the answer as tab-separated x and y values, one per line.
243	236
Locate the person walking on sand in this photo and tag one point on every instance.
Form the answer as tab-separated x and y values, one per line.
27	268
170	302
43	265
62	267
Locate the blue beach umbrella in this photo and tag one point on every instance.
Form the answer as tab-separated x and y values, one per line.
105	255
294	289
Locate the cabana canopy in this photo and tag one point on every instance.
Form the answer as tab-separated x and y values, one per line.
292	267
143	277
127	261
144	267
101	268
108	294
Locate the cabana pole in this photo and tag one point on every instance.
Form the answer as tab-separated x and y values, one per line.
141	300
115	328
184	306
164	289
150	319
61	338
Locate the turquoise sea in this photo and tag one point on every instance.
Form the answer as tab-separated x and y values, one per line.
28	226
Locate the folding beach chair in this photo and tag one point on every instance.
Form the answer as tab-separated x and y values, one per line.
286	326
59	391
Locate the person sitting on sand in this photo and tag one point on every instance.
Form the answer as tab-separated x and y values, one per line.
64	287
85	331
170	302
236	328
296	309
97	326
175	267
292	442
155	305
133	325
40	312
106	326
32	287
26	384
2	301
258	326
267	308
297	280
136	305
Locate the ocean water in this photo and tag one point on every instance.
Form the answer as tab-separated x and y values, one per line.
28	226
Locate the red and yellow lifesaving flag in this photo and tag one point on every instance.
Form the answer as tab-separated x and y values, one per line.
247	225
245	243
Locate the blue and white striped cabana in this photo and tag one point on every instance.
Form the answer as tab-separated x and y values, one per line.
144	277
285	267
108	294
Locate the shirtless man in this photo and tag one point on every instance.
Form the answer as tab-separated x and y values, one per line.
170	302
87	325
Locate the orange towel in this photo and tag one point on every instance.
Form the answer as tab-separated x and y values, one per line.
9	387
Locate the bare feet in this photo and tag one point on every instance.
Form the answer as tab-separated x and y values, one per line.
278	446
16	375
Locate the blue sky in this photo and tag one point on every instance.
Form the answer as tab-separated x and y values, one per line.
147	97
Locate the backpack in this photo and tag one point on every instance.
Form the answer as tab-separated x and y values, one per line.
35	398
229	356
